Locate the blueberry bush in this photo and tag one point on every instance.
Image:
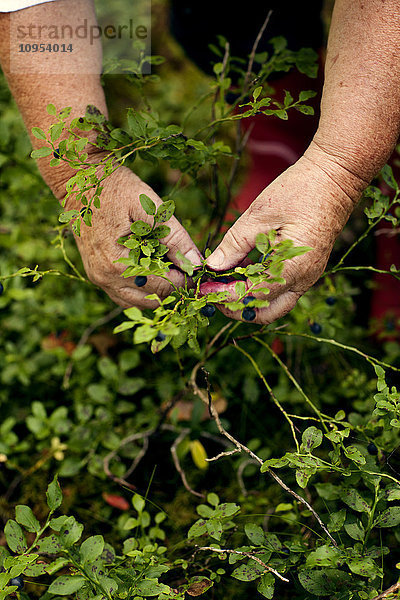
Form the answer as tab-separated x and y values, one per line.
173	452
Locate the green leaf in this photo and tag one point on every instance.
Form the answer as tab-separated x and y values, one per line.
255	533
199	454
70	532
50	544
354	528
150	587
138	503
56	131
311	438
197	529
328	491
15	537
336	520
389	517
248	572
325	582
212	499
165	211
256	92
365	567
226	510
24	516
147	204
140	228
41	152
65	585
54	495
324	556
388	177
51	110
354	455
302	477
185	264
91	548
353	499
266	585
38	133
214	528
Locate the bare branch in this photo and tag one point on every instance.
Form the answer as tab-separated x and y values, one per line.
392	590
177	464
254	50
248	555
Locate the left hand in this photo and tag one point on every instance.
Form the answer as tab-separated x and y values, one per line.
309	204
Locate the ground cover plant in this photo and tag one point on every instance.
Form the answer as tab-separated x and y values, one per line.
174	452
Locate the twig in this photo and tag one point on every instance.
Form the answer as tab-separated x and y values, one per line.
240	472
131	438
248	555
393	588
204	396
84	338
177	464
254	50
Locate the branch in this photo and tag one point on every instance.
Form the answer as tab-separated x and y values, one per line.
205	396
393	588
177	464
255	558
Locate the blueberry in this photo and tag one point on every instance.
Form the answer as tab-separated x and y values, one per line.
372	449
56	153
140	280
247	299
81	120
160	337
1	288
223	279
18	581
316	328
208	310
285	550
331	300
249	314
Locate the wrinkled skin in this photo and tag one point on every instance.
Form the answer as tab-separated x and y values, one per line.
304	204
99	248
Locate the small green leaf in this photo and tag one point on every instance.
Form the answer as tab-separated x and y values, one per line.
336	520
266	586
199	454
353	499
138	503
91	548
41	152
354	455
147	204
165	211
311	438
365	567
388	177
15	537
212	499
255	534
54	495
248	572
51	109
38	133
197	529
389	517
24	516
214	528
65	585
56	131
140	228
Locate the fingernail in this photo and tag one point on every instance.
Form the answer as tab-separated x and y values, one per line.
194	257
216	260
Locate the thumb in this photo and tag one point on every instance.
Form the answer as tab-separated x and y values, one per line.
238	241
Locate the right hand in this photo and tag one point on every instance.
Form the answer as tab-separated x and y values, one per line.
98	245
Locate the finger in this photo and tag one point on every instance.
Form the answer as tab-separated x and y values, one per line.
237	243
263	316
178	240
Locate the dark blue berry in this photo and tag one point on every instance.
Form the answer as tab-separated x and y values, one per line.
81	120
140	280
248	299
316	328
331	300
372	449
208	310
249	314
1	288
223	279
285	550
160	337
56	153
390	325
18	581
